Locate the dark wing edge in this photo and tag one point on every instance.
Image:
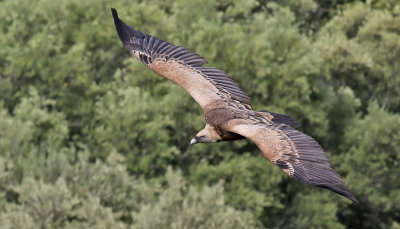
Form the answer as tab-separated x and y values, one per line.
224	83
296	153
153	47
150	48
312	166
124	31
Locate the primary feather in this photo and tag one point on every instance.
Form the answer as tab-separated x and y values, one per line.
228	110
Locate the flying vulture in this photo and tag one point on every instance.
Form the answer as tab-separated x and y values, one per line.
228	111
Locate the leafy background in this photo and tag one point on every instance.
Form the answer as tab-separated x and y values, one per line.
90	138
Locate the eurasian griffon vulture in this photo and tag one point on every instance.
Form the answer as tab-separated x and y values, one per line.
228	111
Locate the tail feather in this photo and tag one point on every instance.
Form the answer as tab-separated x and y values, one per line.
281	118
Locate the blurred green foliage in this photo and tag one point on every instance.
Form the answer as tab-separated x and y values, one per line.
90	138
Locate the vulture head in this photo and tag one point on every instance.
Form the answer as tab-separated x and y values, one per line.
206	135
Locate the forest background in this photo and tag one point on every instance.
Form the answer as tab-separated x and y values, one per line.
90	138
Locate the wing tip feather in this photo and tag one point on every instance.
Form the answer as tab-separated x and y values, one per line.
125	32
315	167
340	189
118	25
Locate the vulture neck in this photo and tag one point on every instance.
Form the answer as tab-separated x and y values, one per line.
209	134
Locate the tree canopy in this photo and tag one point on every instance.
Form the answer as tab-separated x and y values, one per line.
90	138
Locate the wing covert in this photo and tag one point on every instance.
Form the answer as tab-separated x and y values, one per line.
296	153
205	84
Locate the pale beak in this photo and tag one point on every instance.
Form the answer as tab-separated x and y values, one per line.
193	141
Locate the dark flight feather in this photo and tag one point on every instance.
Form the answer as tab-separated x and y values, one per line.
298	154
223	81
151	48
313	165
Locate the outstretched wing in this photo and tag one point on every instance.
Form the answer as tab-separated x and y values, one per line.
296	153
205	84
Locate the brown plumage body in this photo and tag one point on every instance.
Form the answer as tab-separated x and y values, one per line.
228	112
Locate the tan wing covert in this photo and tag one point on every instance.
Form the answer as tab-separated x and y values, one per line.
206	85
296	153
